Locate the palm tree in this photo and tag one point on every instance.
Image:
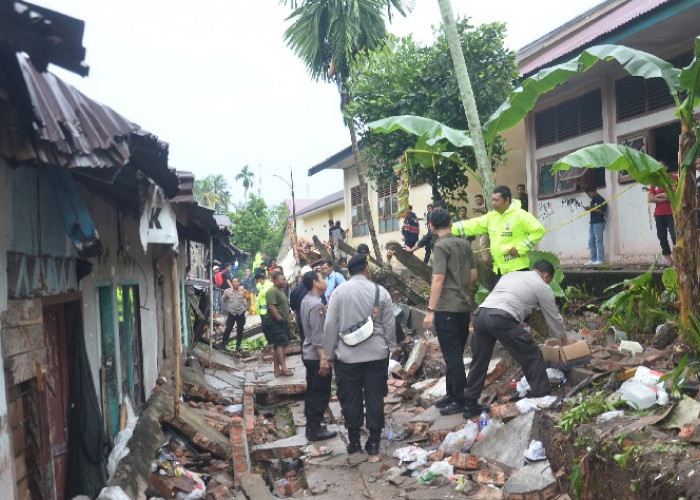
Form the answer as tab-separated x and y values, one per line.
212	192
326	35
246	177
468	101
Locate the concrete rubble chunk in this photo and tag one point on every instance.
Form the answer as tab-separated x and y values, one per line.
282	448
415	359
532	478
508	443
254	488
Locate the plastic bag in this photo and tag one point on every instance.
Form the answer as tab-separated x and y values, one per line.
461	439
112	493
442	468
531	404
410	454
556	376
120	449
609	415
522	387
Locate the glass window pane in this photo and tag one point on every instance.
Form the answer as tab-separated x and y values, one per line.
382	225
394	205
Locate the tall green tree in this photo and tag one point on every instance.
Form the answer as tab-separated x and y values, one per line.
468	101
259	228
246	177
326	35
212	192
402	77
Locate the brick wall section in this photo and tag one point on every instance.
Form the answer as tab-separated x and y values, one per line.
239	442
249	409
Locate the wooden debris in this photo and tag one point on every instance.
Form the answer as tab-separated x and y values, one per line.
412	262
198	439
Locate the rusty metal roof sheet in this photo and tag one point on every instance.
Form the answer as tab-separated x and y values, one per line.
591	30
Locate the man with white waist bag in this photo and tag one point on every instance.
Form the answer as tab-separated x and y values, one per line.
359	337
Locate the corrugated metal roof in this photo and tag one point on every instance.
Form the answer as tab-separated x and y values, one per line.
588	33
331	199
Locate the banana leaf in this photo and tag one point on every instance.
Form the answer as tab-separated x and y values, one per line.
689	79
524	98
433	130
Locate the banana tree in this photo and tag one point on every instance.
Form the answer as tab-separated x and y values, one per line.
684	87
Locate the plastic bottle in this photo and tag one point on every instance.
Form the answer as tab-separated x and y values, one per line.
483	421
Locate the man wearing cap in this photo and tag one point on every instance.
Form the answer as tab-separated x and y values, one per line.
454	271
361	368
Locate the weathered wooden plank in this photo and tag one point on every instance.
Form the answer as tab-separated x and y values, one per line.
21	367
22	312
322	250
16	341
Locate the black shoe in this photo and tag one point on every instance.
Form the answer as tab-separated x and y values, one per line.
452	408
354	447
472	410
319	433
441	403
372	447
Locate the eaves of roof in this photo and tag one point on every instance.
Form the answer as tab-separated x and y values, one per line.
342	159
592	27
332	199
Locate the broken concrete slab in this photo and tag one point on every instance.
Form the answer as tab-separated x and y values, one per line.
199	432
684	412
508	443
434	392
532	479
338	455
215	359
283	448
431	414
424	384
327	483
254	488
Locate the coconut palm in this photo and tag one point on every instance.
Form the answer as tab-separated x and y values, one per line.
246	177
212	192
326	35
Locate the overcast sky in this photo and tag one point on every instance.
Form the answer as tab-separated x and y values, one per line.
216	81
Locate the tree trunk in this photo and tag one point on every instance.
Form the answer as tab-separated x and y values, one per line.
363	189
687	248
413	263
468	101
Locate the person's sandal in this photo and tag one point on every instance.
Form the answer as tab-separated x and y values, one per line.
287	373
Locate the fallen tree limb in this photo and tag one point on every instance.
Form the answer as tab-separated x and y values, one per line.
413	263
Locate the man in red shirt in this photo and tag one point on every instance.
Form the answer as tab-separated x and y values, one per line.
663	216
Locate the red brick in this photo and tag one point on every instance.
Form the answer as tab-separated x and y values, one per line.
218	493
550	492
690	432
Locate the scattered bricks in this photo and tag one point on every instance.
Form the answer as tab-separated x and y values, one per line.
464	461
690	432
416	430
652	357
437	455
488	477
438	436
612	366
398	371
219	492
415	360
504	411
602	355
496	373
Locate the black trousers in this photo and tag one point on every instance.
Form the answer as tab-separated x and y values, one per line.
491	325
239	321
428	251
362	388
452	330
318	393
665	223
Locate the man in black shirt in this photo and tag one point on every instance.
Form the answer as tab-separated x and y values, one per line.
598	209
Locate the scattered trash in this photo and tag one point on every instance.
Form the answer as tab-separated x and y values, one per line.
313	451
647	376
522	387
609	415
120	449
394	431
631	347
532	404
637	394
112	493
417	456
460	440
556	376
441	468
483	421
393	474
614	336
535	452
231	409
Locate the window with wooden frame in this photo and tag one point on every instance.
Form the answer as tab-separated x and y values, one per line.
637	141
565	181
360	227
569	119
388	206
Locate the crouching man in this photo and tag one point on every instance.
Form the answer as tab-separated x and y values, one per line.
312	314
359	336
500	317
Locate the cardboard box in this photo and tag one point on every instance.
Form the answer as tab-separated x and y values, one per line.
565	358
